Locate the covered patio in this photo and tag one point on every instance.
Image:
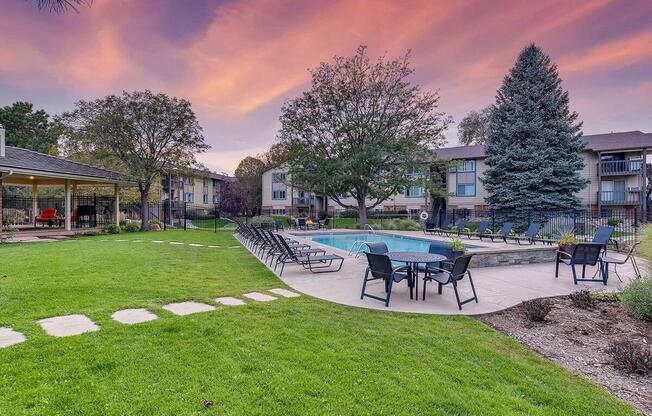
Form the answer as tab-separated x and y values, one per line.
73	209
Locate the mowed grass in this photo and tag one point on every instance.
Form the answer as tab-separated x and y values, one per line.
298	356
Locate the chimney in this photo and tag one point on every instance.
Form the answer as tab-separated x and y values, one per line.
2	141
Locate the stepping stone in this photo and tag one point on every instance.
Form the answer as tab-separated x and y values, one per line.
9	337
65	326
234	246
158	241
120	240
176	243
260	297
133	316
285	293
196	245
213	246
230	301
188	308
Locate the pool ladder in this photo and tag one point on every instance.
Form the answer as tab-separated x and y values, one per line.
358	245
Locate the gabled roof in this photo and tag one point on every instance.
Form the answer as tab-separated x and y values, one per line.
623	141
29	160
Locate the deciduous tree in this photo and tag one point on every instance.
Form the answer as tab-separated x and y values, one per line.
472	129
360	130
29	129
142	131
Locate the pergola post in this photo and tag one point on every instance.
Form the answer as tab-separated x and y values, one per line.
34	202
116	193
68	210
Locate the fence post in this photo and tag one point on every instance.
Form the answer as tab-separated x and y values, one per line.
185	216
215	219
453	219
493	220
635	219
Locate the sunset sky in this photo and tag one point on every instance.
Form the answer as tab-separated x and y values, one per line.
237	61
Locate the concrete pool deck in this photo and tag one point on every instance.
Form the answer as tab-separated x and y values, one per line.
498	287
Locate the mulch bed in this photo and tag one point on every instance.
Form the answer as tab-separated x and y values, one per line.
578	339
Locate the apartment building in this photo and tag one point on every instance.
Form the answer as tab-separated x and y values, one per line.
196	187
615	165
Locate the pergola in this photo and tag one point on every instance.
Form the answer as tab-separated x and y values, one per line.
25	167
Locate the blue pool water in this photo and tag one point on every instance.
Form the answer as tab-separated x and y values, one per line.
394	243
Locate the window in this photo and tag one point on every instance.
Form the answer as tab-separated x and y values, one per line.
278	211
189	197
188	181
278	194
465	178
414	192
279	188
205	191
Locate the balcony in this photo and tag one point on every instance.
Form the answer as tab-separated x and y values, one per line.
619	167
303	202
619	197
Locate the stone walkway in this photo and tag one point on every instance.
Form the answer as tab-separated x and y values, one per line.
70	325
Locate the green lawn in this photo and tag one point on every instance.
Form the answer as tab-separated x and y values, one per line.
211	223
299	356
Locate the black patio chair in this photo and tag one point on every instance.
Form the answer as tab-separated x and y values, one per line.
380	268
301	224
325	224
443	248
617	261
480	232
458	270
377	248
312	263
278	225
584	254
503	233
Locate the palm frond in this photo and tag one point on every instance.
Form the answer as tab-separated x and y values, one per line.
62	6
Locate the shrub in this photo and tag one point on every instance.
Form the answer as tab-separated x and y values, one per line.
637	297
112	229
154	221
132	227
536	310
614	221
391	226
630	356
458	245
349	213
261	221
582	299
606	297
154	227
407	225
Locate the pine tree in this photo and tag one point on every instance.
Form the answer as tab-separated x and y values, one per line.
533	142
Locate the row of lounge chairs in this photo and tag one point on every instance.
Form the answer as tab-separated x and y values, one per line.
276	250
505	234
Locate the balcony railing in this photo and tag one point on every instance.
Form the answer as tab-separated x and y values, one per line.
619	197
619	167
305	201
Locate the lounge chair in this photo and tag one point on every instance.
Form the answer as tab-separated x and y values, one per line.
583	254
503	233
313	263
380	268
429	228
445	226
458	270
456	229
480	232
325	224
298	249
530	236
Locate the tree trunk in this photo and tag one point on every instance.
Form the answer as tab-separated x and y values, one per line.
362	212
144	207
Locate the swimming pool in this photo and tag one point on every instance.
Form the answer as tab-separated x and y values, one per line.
394	242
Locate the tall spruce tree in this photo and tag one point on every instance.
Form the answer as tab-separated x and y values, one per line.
533	142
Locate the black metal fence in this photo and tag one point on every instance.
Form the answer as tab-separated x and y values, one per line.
176	214
582	223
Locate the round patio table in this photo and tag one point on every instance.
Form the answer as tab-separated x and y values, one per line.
413	259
